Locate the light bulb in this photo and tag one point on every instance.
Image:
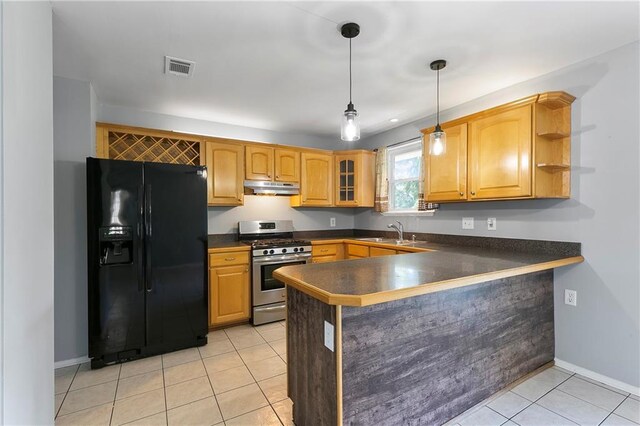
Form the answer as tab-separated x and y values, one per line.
437	143
350	130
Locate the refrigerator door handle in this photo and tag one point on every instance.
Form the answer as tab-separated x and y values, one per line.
148	237
140	238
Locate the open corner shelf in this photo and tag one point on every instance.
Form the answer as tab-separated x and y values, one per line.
554	135
551	167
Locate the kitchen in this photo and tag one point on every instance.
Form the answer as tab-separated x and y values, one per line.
593	200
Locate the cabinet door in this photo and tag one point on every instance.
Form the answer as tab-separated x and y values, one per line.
225	172
259	163
347	180
287	165
357	251
229	294
379	251
500	155
446	175
317	180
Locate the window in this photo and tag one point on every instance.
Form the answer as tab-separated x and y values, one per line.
405	163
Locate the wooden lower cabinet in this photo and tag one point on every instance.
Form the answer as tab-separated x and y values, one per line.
379	251
322	253
356	251
229	288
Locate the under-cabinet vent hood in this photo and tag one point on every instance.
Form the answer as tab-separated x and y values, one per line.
260	187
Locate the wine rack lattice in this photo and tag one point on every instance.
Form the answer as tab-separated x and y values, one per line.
157	149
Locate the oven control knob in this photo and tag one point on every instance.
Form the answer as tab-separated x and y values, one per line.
301	249
270	251
284	250
265	252
295	249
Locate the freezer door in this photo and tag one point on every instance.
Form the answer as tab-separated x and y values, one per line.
176	249
115	257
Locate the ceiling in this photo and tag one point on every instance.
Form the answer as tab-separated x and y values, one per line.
284	65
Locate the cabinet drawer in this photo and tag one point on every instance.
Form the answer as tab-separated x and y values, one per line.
357	250
324	250
379	251
228	259
324	259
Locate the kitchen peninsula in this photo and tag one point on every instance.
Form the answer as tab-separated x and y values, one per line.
418	338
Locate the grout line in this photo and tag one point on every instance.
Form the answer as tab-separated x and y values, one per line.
66	392
588	402
115	394
164	389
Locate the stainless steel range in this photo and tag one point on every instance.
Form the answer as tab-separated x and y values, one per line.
272	246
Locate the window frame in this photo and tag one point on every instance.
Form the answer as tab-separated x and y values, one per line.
393	151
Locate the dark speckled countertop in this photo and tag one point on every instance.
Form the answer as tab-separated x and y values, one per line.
368	281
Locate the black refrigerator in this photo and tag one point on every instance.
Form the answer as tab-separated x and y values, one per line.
147	248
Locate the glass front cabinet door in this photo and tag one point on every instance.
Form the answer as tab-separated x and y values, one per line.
354	179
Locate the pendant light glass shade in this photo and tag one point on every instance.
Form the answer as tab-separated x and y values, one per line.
438	139
437	142
350	129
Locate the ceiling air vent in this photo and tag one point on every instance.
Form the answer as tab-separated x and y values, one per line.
180	67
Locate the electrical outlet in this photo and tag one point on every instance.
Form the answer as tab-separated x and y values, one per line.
467	223
332	222
570	297
328	335
492	223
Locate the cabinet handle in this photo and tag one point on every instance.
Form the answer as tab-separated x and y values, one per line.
461	194
324	250
277	176
229	259
473	193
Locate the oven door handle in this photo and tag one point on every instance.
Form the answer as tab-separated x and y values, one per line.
279	259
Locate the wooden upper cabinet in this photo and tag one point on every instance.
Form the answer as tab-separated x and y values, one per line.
446	174
316	186
258	163
500	154
355	177
225	172
287	165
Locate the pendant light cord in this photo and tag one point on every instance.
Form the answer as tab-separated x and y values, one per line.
350	83
438	97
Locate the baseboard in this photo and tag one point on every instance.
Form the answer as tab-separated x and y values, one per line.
598	377
73	361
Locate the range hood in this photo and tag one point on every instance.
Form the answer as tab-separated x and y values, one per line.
260	187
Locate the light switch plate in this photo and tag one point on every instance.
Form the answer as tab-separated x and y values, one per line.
467	223
328	335
492	223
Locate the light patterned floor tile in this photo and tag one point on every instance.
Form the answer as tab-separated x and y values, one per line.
636	397
280	346
535	415
483	417
267	327
223	381
86	377
594	394
65	371
629	409
272	335
180	357
604	385
257	353
572	408
216	336
186	392
246	340
216	348
141	366
262	417
88	397
616	420
140	383
509	404
540	384
267	368
138	407
62	383
159	419
240	401
202	412
284	410
100	415
275	388
222	362
184	372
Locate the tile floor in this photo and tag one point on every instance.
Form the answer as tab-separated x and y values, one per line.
239	379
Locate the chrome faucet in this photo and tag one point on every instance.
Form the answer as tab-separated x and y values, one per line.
399	228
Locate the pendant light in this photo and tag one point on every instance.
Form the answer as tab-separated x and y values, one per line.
438	139
350	129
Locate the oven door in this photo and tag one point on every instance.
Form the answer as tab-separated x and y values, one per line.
266	288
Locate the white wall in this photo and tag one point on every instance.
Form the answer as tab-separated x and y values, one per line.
602	333
27	214
74	140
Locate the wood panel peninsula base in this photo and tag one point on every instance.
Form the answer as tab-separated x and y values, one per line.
419	359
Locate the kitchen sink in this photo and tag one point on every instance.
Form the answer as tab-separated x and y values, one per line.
388	241
375	240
